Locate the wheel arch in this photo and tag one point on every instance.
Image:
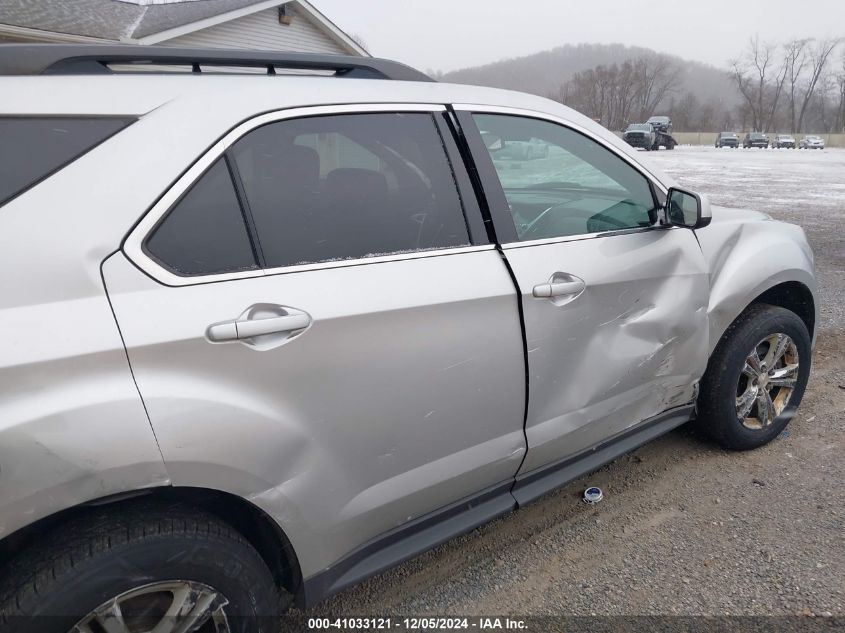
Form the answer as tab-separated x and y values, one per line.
795	297
792	295
754	259
255	525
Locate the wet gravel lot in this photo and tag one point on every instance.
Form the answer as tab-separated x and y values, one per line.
685	527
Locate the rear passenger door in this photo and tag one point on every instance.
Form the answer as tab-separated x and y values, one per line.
316	322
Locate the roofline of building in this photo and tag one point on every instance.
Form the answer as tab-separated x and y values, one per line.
320	20
39	35
332	28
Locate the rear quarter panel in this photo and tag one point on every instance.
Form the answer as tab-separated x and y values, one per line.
72	424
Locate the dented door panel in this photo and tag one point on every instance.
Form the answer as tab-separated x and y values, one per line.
632	344
404	394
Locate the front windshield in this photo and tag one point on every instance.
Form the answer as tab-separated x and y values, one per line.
757	135
640	127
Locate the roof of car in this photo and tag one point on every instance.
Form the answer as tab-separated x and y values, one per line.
82	60
215	101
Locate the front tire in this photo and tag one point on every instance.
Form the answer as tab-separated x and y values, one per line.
134	563
755	379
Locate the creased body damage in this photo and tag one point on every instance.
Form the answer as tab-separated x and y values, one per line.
748	253
632	345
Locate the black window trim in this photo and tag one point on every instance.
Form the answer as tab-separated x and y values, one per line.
449	136
496	201
184	193
133	244
126	120
246	211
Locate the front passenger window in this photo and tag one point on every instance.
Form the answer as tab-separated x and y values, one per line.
560	183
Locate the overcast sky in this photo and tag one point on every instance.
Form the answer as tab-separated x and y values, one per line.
445	35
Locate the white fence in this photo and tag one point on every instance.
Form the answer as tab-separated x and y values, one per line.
708	138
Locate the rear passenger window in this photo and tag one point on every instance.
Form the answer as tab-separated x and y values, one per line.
32	149
349	186
204	233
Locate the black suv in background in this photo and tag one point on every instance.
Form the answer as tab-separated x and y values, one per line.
727	139
755	139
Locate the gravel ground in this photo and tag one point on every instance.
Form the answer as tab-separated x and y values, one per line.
685	527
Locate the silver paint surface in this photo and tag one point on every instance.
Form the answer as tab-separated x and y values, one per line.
747	253
406	392
628	347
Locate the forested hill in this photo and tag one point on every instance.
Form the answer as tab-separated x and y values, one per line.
545	73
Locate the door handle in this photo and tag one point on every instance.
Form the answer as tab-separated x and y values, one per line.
248	328
559	289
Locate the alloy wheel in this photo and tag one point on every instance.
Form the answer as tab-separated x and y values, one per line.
767	380
177	606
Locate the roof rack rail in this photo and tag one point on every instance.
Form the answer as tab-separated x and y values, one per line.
79	59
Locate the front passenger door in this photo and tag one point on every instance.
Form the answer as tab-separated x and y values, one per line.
614	305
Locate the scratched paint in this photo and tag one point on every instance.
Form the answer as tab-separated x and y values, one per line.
632	345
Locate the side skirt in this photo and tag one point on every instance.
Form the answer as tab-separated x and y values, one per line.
418	536
407	541
530	486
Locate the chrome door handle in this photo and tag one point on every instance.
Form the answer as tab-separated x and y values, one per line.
249	328
559	289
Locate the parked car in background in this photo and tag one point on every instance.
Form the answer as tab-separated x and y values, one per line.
811	141
755	139
292	350
727	139
783	141
661	123
639	135
524	149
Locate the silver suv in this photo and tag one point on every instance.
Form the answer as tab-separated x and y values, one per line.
265	336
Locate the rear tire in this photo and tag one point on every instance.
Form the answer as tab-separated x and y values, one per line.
728	381
160	550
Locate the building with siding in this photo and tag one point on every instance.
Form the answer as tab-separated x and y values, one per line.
293	25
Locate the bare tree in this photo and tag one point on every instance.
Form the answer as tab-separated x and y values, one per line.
617	93
796	57
840	80
825	114
605	93
657	78
750	72
780	78
685	113
818	57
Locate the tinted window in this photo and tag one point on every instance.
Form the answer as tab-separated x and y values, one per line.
560	183
349	186
204	233
32	149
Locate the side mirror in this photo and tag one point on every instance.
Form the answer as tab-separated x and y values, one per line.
687	209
